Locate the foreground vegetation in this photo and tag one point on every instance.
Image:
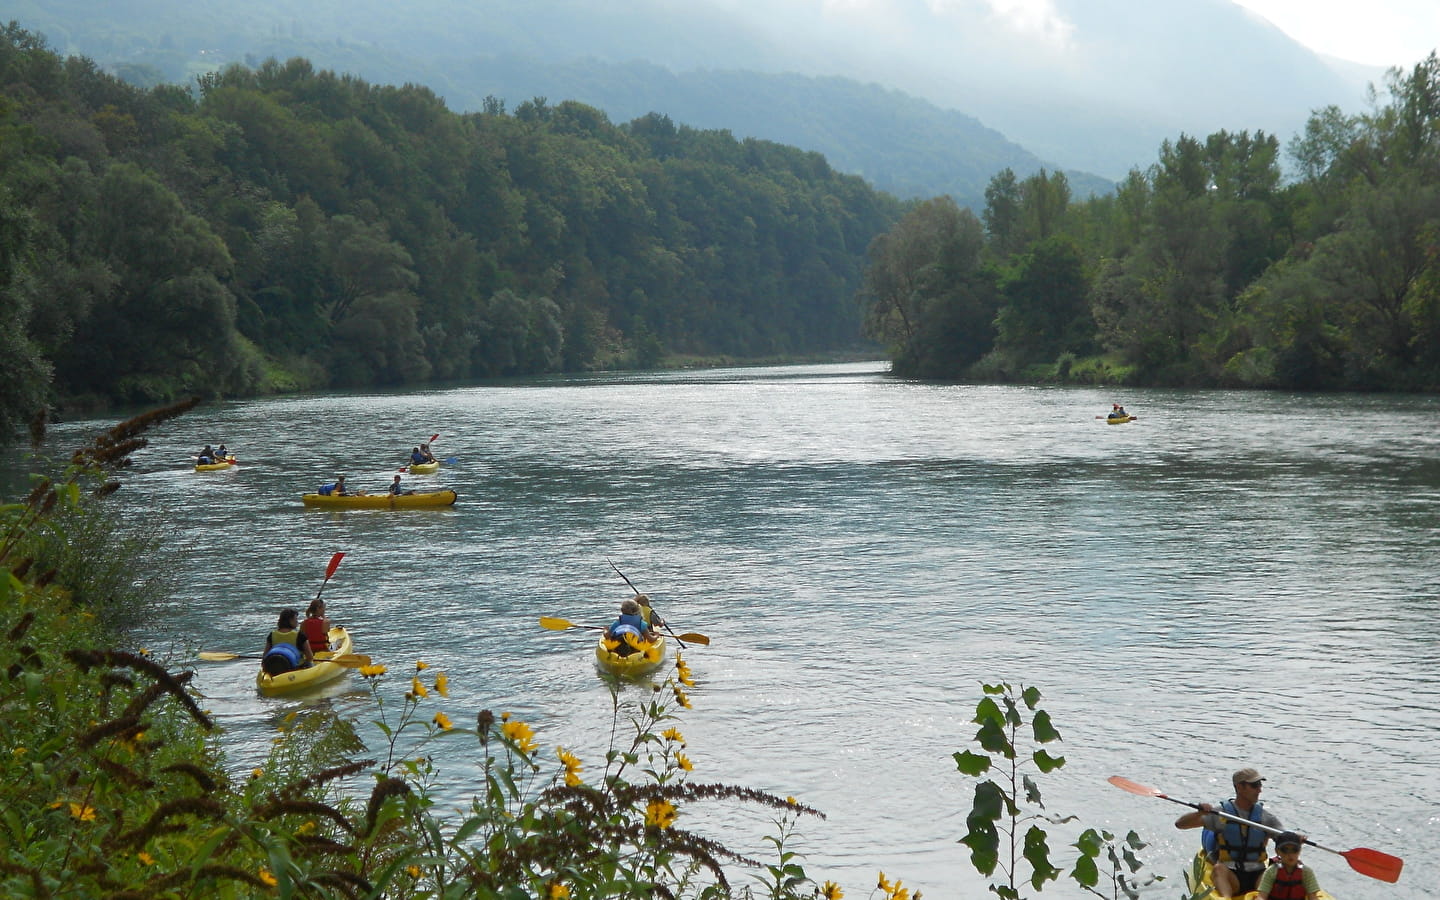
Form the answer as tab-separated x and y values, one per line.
114	785
1203	270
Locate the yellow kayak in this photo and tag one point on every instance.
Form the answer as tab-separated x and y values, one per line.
303	679
429	468
417	500
1197	879
1118	420
216	466
630	665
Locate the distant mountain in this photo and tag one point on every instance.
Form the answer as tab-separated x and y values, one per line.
1086	85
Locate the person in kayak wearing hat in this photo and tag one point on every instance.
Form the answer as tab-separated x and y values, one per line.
1286	878
1236	850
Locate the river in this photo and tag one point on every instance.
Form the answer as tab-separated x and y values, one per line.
1232	579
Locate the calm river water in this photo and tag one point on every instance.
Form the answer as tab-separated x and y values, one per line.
1234	579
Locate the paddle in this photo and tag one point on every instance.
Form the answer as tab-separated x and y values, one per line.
330	571
348	660
555	623
664	624
1369	862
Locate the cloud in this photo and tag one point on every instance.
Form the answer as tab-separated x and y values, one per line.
1030	18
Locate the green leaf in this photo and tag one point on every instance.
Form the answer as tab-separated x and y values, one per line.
1090	843
1032	791
1031	696
1038	855
972	763
996	689
987	711
993	738
1086	872
984	843
1047	763
1044	731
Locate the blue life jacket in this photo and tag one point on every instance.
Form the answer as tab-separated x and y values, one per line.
1236	842
327	489
281	657
417	457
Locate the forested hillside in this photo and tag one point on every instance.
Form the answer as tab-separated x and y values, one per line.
284	227
1204	269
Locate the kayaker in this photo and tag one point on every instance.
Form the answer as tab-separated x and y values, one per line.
316	626
647	612
396	489
1236	850
629	623
336	487
207	456
1286	878
222	454
286	648
416	457
425	449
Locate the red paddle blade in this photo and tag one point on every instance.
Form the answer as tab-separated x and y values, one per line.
434	437
1374	863
1134	787
334	564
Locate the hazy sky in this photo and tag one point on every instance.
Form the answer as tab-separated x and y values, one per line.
1379	32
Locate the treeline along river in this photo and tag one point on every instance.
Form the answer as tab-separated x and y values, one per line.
1233	579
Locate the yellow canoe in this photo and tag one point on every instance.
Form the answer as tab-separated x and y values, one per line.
1197	879
303	679
226	463
630	665
429	468
1117	420
417	500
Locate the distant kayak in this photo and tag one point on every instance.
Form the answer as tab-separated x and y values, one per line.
226	463
429	468
1119	420
321	672
417	500
632	664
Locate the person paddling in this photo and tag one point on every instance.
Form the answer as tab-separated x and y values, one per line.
1235	850
316	626
629	630
286	648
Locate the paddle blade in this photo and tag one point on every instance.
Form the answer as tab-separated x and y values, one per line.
434	437
691	637
217	656
1374	863
334	564
555	624
349	660
1134	787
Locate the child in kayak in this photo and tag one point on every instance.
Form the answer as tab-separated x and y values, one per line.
316	626
629	630
1286	878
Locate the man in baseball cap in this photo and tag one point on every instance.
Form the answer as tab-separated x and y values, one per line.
1235	847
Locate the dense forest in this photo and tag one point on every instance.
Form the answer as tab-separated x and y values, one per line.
282	228
1206	269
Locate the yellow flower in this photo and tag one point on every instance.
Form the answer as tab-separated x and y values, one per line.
145	858
831	891
421	666
683	762
660	813
557	891
269	879
305	827
519	734
256	772
442	684
21	751
373	671
900	893
144	651
884	884
417	688
792	801
572	766
84	813
413	871
682	672
681	698
673	734
443	721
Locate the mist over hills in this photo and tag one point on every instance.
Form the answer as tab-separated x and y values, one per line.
920	98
